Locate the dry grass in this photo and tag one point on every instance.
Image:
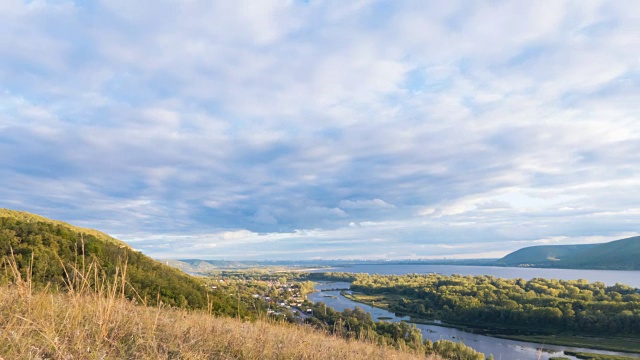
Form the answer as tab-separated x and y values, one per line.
96	322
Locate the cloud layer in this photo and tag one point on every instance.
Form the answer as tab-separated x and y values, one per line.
320	129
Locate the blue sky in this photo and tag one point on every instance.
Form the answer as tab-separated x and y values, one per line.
324	129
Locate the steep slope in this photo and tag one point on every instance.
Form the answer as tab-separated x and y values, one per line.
543	255
620	254
52	249
29	217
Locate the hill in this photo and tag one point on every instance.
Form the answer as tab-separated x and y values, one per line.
621	254
29	217
53	250
201	267
542	255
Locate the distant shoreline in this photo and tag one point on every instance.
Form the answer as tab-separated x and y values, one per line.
306	269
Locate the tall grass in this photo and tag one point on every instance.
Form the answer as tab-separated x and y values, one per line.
93	320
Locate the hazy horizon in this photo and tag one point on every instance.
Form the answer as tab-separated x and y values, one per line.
319	129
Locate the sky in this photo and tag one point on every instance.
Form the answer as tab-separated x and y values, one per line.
324	129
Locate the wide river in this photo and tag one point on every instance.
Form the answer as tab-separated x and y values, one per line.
501	348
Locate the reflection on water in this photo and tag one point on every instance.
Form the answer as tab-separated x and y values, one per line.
501	348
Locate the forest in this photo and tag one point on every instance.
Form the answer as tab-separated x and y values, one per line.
52	253
537	305
358	324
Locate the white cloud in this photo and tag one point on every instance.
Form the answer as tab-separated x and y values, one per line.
365	204
416	123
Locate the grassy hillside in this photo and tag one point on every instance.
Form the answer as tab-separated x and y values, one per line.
543	254
103	325
620	254
52	249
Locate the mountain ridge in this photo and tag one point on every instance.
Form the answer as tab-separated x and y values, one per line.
30	217
623	254
542	254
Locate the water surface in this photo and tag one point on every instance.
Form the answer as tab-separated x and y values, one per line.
609	277
501	348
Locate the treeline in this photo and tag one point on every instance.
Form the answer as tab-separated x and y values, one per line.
331	276
358	324
50	252
538	304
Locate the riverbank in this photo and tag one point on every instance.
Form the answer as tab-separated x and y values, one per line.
622	344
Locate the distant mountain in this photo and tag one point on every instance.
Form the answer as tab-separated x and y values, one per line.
615	255
620	254
543	255
204	267
53	248
191	267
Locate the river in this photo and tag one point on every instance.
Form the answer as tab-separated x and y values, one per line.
609	277
501	348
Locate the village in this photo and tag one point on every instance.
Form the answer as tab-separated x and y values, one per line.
278	298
